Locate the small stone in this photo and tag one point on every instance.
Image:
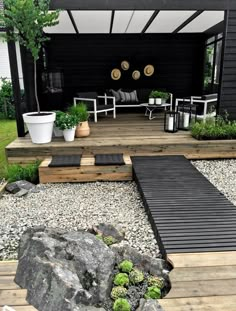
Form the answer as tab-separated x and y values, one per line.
149	305
24	184
12	188
21	193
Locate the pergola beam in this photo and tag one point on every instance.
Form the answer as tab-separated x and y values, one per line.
143	4
189	20
73	21
154	15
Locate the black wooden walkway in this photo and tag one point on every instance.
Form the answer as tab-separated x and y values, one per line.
188	214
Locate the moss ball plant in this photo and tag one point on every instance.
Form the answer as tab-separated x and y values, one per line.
121	304
155	281
109	240
126	266
118	292
121	279
153	292
136	276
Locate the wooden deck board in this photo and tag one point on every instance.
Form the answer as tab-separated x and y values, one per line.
170	183
86	172
131	134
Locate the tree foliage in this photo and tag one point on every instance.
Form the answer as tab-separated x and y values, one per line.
25	20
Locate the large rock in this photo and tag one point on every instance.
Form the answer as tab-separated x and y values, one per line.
149	305
64	271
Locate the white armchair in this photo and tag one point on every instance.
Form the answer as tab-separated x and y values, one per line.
205	101
92	100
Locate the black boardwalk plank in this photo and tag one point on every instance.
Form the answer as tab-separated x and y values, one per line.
187	213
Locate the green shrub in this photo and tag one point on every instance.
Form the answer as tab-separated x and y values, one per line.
155	281
118	292
126	266
121	279
66	121
7	107
136	276
16	172
153	292
121	304
109	240
59	114
80	111
159	94
214	128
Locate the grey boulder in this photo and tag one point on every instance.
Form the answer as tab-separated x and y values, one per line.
149	305
64	271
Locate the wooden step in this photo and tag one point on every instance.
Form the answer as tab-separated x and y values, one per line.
86	172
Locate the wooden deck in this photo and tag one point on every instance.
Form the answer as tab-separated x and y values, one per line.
200	282
129	133
188	214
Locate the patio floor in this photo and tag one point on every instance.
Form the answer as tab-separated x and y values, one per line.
131	134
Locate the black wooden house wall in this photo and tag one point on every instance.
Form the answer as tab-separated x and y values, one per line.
87	61
228	85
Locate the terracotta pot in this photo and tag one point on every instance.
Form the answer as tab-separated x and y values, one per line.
82	129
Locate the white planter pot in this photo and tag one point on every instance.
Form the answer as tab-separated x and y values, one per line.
40	126
158	101
69	134
151	101
57	132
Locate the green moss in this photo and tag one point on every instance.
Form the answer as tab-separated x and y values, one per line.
118	292
136	276
155	281
109	240
153	292
121	279
99	237
121	304
126	266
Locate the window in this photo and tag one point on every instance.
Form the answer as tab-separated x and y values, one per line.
212	63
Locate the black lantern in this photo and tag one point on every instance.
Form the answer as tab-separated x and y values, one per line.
171	121
187	113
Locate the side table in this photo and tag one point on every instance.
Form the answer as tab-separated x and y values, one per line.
150	108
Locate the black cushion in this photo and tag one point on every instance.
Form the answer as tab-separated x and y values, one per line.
65	160
109	159
91	95
210	96
116	94
104	107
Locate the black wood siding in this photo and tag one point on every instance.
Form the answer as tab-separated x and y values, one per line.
228	85
87	61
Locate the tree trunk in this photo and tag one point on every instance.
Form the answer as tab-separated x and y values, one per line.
35	87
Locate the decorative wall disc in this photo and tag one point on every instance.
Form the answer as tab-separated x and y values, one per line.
148	70
136	75
125	65
115	74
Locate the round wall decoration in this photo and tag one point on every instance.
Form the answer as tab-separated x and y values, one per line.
148	70
125	65
136	75
115	74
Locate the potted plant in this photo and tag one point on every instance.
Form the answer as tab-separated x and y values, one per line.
25	21
57	132
81	111
67	123
152	98
159	96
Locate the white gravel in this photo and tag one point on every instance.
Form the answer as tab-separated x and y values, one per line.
76	206
80	206
222	174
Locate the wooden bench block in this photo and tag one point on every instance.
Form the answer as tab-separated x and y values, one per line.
86	172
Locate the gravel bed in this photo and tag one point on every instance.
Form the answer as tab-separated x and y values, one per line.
222	174
76	206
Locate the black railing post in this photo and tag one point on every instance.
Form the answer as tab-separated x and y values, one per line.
16	87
